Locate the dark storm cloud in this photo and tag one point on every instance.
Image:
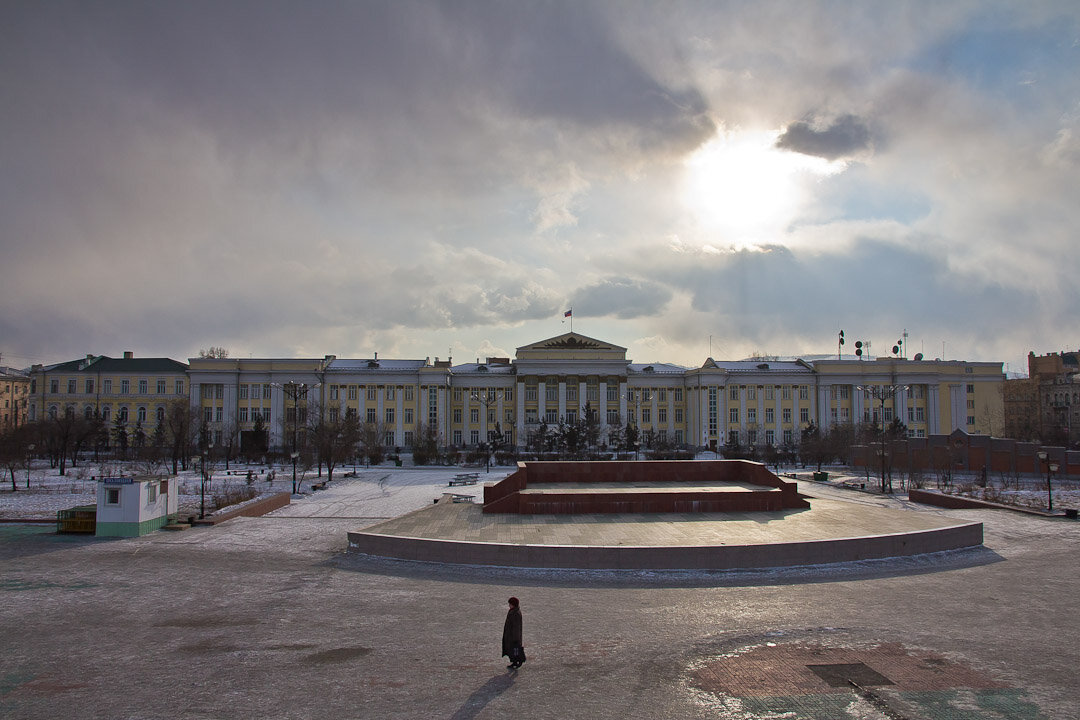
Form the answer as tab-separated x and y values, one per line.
622	297
846	135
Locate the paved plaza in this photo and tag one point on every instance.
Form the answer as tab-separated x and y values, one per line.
270	618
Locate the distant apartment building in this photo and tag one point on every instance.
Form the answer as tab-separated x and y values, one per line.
132	391
572	377
14	398
1045	406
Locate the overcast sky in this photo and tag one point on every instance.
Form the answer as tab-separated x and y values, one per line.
421	178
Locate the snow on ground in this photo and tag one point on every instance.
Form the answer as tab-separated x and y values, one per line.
387	491
379	492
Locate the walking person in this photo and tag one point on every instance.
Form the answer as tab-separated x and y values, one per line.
511	639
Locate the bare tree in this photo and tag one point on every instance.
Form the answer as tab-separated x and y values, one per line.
372	435
334	439
179	425
15	446
214	352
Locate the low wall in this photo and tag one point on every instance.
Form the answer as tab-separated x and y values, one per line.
710	557
553	503
255	509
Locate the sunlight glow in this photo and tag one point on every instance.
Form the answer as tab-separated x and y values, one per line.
744	191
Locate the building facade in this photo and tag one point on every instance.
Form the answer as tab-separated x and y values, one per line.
14	398
1045	406
573	377
133	391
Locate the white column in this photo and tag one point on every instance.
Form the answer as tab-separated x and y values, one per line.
519	420
541	400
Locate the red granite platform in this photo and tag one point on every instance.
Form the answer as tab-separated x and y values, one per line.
656	486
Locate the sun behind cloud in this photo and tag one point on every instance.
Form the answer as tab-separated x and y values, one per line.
742	190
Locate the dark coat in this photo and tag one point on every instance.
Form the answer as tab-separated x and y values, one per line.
511	631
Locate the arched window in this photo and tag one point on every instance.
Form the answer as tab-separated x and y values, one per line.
141	414
53	410
122	414
105	414
88	412
161	414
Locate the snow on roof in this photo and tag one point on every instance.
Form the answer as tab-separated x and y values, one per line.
353	364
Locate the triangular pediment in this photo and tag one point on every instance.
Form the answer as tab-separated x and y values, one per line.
571	341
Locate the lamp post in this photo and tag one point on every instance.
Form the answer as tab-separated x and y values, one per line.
29	455
206	446
1051	467
881	393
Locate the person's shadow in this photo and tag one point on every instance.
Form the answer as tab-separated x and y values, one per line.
487	692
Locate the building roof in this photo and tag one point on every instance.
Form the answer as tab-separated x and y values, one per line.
102	363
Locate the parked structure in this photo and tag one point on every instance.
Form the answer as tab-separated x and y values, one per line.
129	507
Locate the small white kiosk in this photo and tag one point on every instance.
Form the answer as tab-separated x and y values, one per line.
133	506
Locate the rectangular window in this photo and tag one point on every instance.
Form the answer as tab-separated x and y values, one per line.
389	392
787	416
531	392
970	419
334	392
804	415
646	415
751	415
786	392
388	439
371	393
54	386
408	438
751	392
571	393
474	437
208	414
408	416
333	414
143	387
734	395
89	385
71	386
770	392
612	393
243	414
770	415
661	415
733	415
243	391
457	437
219	392
920	414
161	387
678	394
389	416
151	493
112	496
508	394
108	386
371	418
178	387
971	388
474	415
678	415
787	437
125	387
457	416
408	393
733	437
592	393
551	393
266	391
804	392
845	414
217	414
612	417
352	392
770	437
551	416
751	437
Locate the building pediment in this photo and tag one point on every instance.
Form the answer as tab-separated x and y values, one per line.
571	346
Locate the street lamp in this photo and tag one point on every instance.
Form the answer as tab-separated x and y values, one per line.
29	455
1051	467
881	393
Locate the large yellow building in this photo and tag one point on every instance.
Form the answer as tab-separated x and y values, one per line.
565	378
136	390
